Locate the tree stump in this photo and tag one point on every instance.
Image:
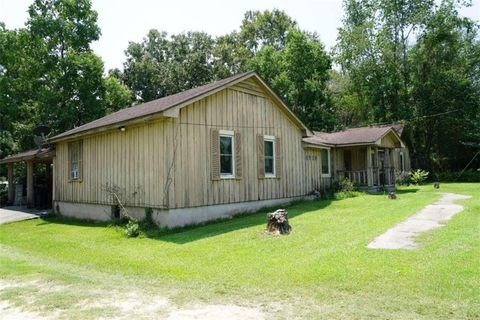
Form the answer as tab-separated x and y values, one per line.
277	222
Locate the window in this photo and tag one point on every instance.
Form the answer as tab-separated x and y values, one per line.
227	159
402	162
269	155
75	158
325	162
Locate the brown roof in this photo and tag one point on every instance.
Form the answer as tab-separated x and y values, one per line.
29	155
364	135
158	105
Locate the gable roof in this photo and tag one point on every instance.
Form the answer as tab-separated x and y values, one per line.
353	136
179	99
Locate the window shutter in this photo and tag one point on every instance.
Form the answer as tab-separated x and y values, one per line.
278	158
215	154
70	158
80	159
238	156
260	157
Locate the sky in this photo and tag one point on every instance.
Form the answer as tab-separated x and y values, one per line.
122	21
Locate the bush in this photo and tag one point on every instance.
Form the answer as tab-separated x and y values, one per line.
345	188
132	229
402	178
418	176
147	223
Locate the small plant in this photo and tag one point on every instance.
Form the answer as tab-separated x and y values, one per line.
132	229
418	176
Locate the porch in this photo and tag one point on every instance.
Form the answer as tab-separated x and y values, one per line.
33	185
371	167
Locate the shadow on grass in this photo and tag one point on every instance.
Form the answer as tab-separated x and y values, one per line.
196	232
397	191
214	228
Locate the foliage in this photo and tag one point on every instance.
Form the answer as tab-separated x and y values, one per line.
132	229
117	95
418	176
345	188
299	73
404	60
402	178
147	223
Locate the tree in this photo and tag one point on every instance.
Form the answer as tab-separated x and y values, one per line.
159	66
267	28
413	59
117	95
299	72
445	80
70	84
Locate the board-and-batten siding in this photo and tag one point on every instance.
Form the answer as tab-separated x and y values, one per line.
139	160
313	171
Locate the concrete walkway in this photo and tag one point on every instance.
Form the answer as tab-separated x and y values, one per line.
433	216
12	214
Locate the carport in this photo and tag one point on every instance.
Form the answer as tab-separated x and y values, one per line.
31	158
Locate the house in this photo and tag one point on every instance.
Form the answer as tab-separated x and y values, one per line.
223	148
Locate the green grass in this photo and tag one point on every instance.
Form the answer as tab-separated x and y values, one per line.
321	270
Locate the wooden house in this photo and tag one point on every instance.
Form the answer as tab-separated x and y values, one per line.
210	152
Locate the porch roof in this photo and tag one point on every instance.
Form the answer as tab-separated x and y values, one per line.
353	136
40	154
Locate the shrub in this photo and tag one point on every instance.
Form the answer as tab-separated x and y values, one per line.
132	229
402	178
147	223
418	176
345	188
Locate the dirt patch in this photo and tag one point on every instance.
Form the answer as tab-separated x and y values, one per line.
10	312
37	299
208	312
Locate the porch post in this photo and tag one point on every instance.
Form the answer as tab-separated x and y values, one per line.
11	190
369	167
387	166
333	151
53	182
30	199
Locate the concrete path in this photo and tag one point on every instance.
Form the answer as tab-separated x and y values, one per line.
11	214
433	216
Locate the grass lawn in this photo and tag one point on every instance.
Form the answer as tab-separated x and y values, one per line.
321	270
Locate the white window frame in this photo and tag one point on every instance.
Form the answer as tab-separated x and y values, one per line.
230	134
74	166
329	174
270	139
